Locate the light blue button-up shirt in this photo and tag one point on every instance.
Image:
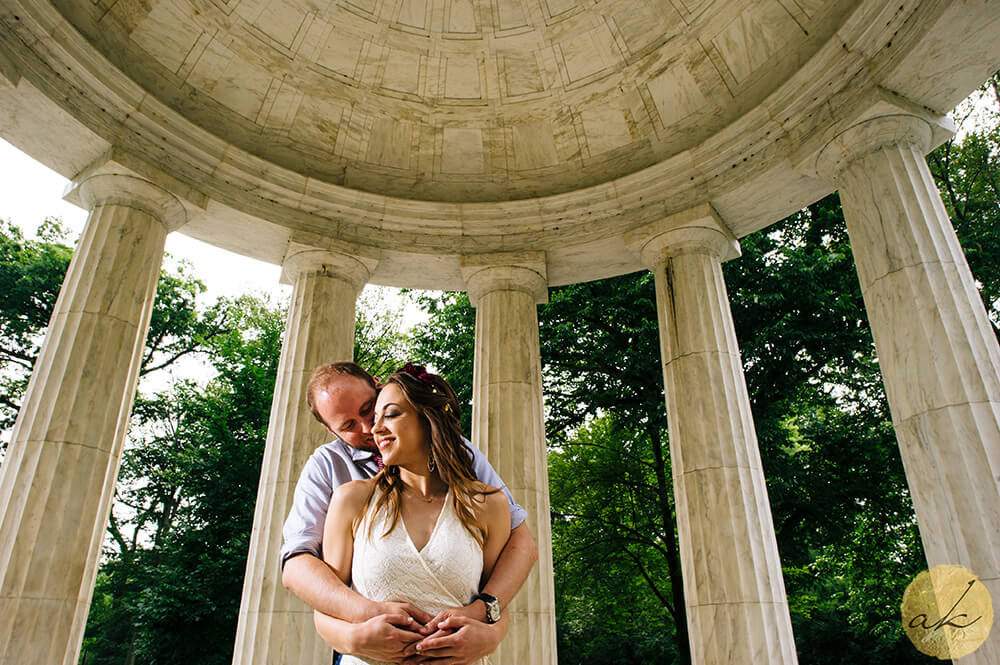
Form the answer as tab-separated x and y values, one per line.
336	463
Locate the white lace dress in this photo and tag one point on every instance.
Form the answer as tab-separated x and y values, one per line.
445	573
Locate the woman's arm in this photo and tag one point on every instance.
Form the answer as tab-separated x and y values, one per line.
346	505
495	516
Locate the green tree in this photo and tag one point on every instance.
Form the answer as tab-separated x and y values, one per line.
967	171
614	592
31	272
380	346
596	339
447	342
835	478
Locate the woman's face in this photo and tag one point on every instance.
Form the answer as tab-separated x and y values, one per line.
402	436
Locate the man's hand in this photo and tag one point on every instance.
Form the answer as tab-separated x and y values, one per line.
385	637
476	610
458	640
420	618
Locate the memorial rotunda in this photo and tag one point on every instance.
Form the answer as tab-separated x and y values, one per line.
498	147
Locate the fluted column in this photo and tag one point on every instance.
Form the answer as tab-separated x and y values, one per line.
57	482
508	426
937	351
275	627
734	593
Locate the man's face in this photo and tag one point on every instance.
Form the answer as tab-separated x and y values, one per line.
347	407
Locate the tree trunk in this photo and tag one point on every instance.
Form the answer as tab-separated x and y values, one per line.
673	558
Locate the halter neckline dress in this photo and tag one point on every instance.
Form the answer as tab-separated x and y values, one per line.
444	573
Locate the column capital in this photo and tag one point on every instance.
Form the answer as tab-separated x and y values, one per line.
871	135
697	230
303	259
506	271
131	192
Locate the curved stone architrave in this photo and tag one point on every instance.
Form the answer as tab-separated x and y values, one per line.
57	481
734	592
937	350
273	625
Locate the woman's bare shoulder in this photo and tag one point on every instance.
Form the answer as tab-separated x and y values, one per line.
353	494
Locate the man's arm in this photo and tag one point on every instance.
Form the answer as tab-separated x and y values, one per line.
512	568
315	583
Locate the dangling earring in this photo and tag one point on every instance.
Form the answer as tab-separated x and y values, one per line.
431	466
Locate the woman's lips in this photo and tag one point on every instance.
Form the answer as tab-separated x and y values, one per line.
385	443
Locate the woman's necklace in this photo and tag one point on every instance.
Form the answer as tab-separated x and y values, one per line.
426	499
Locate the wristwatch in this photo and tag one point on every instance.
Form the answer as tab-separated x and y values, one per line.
493	609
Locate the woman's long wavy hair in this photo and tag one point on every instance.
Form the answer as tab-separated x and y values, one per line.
437	404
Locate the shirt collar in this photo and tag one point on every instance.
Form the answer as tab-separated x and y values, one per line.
357	454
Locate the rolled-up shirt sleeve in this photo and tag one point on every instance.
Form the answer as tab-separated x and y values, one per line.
488	475
303	530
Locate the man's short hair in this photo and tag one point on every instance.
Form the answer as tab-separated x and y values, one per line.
324	375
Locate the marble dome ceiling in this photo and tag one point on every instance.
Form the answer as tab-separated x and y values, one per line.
459	100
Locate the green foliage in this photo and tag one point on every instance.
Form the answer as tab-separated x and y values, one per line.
379	343
596	341
447	343
612	562
611	497
967	170
31	272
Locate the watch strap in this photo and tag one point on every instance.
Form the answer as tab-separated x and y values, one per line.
492	607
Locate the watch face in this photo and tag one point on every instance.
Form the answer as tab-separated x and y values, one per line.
493	611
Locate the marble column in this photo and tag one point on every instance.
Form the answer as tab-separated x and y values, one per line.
734	593
57	481
275	627
508	426
937	351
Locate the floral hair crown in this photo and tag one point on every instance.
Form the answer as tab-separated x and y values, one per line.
420	373
417	372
